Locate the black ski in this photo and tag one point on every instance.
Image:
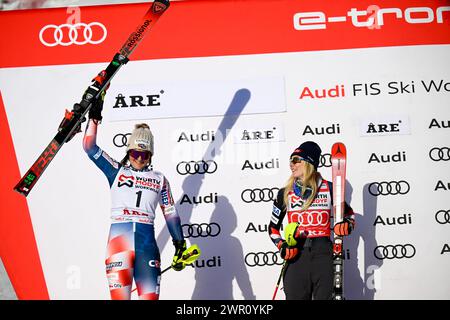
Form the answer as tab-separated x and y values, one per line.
71	124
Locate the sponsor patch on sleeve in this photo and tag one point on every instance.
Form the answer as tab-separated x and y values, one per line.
274	220
98	154
276	211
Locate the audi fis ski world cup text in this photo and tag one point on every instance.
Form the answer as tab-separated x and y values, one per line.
371	89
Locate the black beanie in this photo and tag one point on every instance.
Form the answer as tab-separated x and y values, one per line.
310	152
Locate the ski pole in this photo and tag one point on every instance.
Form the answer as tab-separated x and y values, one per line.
189	256
279	279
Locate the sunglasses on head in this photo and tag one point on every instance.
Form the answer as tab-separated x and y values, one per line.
145	155
296	159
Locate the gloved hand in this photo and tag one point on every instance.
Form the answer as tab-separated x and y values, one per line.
180	246
345	227
95	112
293	233
287	252
97	105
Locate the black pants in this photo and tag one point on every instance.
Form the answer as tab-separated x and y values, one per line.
310	275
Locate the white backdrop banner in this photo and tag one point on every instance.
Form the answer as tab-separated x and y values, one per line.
227	106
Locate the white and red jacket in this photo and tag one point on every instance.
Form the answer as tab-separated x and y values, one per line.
315	220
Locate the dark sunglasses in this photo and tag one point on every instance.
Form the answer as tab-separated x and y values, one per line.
296	159
145	155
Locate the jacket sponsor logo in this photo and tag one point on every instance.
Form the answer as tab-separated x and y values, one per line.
124	180
127	212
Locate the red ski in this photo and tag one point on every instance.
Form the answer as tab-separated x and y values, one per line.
71	123
338	166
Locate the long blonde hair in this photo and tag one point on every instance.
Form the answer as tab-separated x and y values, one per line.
310	179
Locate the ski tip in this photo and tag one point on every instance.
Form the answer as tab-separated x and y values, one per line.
338	148
159	6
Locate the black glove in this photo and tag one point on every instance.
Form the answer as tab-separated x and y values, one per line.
180	246
287	252
97	106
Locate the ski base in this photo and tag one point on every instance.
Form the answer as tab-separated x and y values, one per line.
71	123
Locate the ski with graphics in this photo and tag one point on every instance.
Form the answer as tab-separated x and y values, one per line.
338	167
71	124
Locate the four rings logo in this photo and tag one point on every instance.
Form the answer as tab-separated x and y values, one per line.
440	154
325	160
311	218
261	259
389	188
68	34
442	216
196	167
397	251
201	230
121	140
259	195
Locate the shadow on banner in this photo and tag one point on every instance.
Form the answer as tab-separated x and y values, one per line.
363	287
191	185
224	251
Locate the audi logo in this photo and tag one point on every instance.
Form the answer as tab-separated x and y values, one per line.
261	259
311	218
440	154
325	160
389	188
201	230
194	167
397	251
442	216
71	31
259	195
121	140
